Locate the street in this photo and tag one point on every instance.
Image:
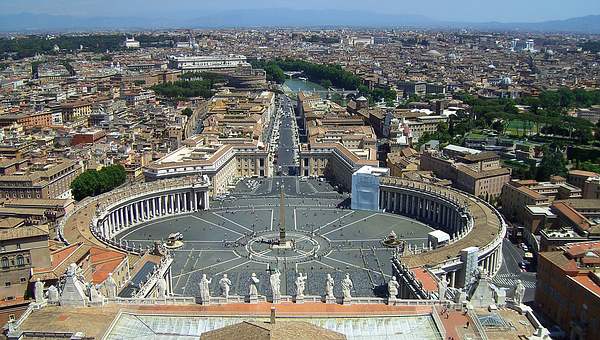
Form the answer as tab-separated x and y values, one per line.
287	151
510	271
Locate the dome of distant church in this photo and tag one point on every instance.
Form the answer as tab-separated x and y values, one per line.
434	53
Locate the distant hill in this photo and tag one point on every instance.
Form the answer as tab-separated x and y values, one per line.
587	24
277	17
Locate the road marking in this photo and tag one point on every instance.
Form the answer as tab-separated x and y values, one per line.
355	266
272	212
349	224
216	225
335	220
510	280
295	225
183	268
232	222
232	268
212	265
160	220
195	262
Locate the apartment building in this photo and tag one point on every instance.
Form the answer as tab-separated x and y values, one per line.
21	249
38	180
478	173
27	119
517	195
568	288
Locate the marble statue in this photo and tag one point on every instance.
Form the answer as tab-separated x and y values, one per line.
300	285
329	283
393	287
519	293
39	291
72	269
253	289
161	288
111	287
205	289
225	285
53	294
347	287
275	280
74	289
95	296
442	288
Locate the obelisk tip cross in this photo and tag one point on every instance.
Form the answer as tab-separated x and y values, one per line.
281	216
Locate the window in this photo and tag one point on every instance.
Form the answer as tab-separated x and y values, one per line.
18	245
5	263
20	260
23	279
7	284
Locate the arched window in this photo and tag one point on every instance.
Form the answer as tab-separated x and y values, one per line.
20	260
5	263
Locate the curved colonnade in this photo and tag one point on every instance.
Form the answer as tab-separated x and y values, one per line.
127	207
471	222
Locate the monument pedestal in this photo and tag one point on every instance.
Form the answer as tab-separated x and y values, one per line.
283	245
299	298
346	301
521	308
253	299
330	299
392	301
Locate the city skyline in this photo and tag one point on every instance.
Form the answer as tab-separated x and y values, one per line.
457	11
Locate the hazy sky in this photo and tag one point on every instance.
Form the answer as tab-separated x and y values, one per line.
458	10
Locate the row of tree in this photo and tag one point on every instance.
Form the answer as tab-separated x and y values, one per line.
327	75
190	85
29	46
591	46
317	73
546	113
92	182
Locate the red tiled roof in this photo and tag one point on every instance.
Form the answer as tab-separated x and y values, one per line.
429	282
104	261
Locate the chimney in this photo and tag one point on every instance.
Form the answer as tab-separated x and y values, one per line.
272	315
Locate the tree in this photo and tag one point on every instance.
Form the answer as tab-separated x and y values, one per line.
92	182
187	112
326	83
553	164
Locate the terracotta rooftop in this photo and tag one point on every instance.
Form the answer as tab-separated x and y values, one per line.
60	260
428	281
104	261
583	173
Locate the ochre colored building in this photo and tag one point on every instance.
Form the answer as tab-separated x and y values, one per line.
568	288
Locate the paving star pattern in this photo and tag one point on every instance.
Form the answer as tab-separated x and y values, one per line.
232	237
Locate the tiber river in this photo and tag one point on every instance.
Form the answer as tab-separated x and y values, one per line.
297	85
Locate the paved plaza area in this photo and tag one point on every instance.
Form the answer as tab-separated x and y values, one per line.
233	238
